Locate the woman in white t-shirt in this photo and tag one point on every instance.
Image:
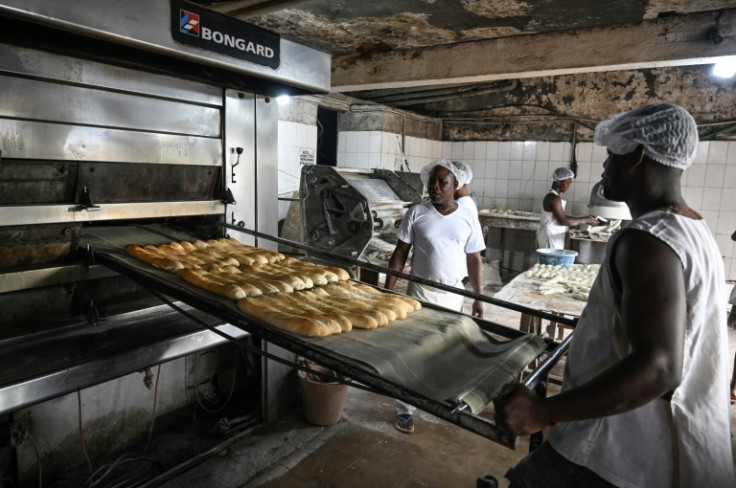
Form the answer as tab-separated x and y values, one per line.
447	240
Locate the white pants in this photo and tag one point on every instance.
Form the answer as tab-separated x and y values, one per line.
436	296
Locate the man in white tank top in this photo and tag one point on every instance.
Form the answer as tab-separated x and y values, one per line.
644	401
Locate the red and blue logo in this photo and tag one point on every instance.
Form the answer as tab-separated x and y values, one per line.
188	23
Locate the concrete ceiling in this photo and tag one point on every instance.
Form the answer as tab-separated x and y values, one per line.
508	68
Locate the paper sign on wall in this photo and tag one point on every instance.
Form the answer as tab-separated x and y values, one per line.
307	156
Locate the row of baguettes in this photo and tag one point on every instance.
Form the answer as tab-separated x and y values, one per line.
235	270
330	309
295	295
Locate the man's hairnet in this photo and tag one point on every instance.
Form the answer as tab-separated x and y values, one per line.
667	132
424	175
562	174
463	173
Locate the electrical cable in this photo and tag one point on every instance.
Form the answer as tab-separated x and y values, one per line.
229	396
38	461
153	412
91	482
81	431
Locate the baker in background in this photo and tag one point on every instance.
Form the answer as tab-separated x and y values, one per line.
446	240
464	175
554	222
644	399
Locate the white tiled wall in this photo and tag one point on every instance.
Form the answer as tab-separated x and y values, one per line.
293	139
516	175
376	149
709	186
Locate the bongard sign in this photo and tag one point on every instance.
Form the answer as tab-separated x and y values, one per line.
196	26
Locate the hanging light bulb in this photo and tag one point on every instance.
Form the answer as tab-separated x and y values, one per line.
283	99
725	68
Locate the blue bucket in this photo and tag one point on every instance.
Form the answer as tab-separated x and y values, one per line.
558	257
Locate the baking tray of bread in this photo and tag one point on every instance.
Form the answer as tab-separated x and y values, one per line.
439	360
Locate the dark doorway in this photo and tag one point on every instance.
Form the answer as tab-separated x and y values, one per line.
326	137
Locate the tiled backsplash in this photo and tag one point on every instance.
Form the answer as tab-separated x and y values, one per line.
375	149
295	140
516	175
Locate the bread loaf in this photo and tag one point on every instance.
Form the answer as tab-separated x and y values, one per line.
295	295
298	324
359	318
163	262
210	283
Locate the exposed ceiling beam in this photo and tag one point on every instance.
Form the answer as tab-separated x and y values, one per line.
671	41
244	9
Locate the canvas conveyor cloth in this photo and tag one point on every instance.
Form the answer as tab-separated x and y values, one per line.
442	355
438	353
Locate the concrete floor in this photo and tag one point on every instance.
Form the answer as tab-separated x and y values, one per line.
364	449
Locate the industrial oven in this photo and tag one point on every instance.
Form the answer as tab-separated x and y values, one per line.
115	132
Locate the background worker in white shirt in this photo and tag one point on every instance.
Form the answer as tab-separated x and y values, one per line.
553	221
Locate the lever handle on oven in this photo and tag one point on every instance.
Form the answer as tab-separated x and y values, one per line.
86	201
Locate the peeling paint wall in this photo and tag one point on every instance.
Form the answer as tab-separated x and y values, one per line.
548	109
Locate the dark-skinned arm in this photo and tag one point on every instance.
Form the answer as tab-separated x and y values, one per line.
654	315
475	274
553	203
397	262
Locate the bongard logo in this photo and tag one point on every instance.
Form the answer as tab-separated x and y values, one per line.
188	23
237	43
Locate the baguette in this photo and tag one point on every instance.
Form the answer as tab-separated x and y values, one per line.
210	283
314	275
265	284
398	308
299	307
369	290
256	252
279	311
275	272
187	260
359	319
288	322
381	314
223	273
341	274
165	263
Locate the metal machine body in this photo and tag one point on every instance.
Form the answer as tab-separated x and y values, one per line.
109	123
591	242
356	212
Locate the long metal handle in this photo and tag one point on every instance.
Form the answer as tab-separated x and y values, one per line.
382	269
543	369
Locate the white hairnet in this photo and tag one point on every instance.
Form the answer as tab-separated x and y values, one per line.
424	175
463	173
562	174
668	133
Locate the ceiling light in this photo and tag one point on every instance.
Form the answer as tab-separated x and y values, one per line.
283	99
725	68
